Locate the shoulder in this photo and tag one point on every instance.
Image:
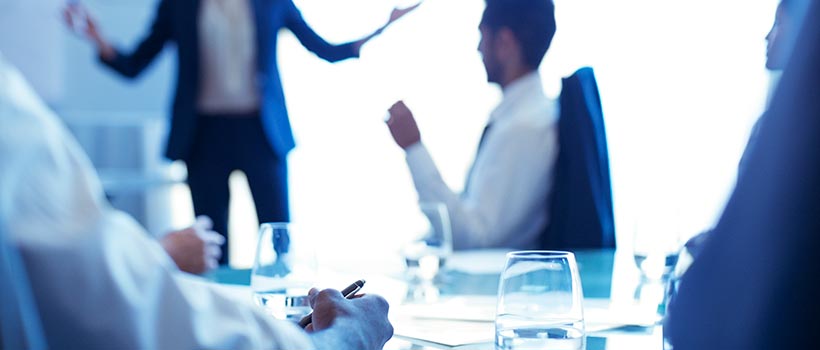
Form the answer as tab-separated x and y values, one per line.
537	112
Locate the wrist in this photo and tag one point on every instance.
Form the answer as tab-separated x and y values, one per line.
410	145
105	50
340	336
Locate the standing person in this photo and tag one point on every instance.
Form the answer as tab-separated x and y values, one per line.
505	196
229	108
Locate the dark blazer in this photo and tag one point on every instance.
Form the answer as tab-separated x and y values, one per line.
756	282
177	21
581	214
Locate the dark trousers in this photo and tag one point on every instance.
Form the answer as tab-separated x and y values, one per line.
226	143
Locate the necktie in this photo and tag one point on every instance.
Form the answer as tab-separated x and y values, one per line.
472	167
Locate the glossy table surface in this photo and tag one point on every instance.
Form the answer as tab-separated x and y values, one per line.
607	276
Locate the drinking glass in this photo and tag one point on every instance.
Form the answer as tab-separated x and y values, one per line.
284	269
540	302
432	242
656	247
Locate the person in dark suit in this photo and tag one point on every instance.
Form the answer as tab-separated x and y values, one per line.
756	282
780	41
229	108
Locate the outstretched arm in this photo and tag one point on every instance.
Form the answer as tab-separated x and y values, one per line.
327	51
130	65
394	16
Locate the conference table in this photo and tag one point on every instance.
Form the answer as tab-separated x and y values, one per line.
621	309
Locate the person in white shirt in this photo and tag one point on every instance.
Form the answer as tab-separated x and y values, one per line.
100	282
505	198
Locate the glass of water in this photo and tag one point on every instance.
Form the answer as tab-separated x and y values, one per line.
656	246
432	243
540	302
283	271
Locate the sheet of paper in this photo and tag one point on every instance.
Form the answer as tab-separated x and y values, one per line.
466	320
443	333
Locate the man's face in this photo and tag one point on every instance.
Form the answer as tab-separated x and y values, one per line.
487	48
777	49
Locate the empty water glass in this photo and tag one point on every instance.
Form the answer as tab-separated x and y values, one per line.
283	271
540	302
432	242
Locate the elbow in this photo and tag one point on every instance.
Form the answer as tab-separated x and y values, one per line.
334	58
130	73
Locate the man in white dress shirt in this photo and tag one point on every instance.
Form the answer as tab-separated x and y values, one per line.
505	198
98	279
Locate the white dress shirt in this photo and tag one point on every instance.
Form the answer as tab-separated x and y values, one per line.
505	201
99	280
227	45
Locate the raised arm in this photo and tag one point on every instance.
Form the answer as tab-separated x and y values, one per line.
131	64
331	52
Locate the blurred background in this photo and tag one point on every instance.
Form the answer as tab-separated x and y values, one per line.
681	83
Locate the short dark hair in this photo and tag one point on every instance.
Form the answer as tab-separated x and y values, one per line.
531	21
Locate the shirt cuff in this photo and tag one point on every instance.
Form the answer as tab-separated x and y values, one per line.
420	162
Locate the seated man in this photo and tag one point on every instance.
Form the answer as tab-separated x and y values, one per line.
505	198
100	282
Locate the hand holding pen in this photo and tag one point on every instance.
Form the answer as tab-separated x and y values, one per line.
349	320
348	293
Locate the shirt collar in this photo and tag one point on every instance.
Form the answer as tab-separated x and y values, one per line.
516	93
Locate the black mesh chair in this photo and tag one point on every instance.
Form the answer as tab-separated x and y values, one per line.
581	214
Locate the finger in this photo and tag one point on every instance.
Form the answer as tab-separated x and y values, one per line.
211	264
213	238
329	296
312	293
309	328
213	252
69	20
357	296
204	222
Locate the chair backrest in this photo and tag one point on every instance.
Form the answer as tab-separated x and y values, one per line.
20	326
581	214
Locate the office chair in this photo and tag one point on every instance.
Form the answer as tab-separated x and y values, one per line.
580	214
20	326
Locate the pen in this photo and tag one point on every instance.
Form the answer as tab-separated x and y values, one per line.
348	293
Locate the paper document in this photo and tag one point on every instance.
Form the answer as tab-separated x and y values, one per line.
469	320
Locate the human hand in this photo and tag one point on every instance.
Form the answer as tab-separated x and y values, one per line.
80	21
403	126
394	16
195	249
358	323
399	13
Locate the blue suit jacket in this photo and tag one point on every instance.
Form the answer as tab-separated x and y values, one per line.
177	21
581	214
756	282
